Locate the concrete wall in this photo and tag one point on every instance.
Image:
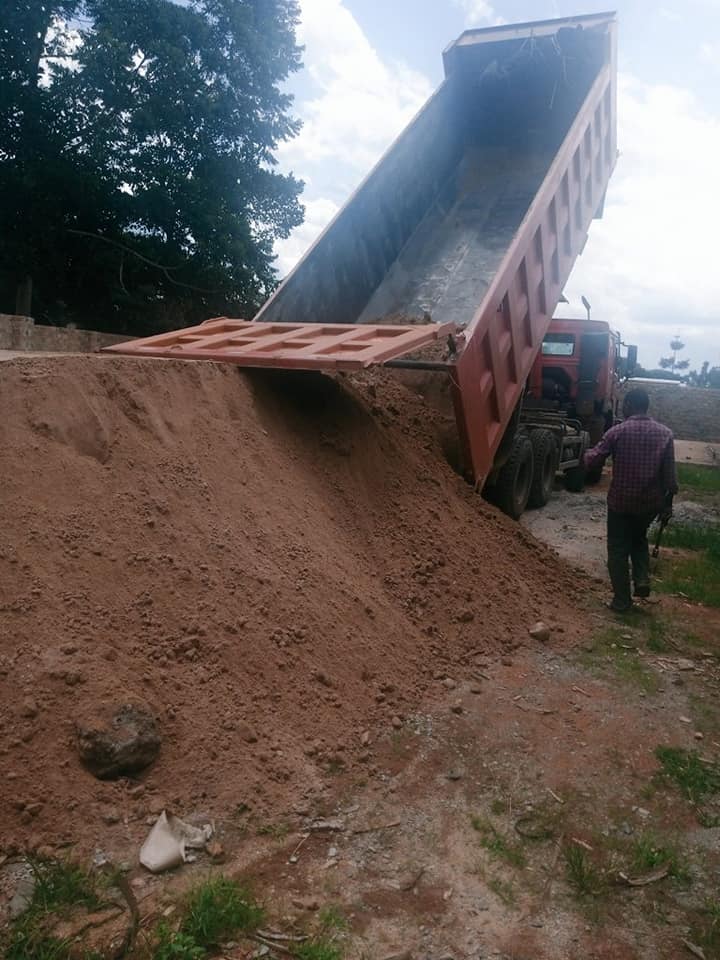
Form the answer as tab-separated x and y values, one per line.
23	334
691	413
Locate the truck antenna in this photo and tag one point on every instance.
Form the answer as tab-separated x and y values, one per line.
586	304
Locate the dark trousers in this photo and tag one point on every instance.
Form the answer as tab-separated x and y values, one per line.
627	537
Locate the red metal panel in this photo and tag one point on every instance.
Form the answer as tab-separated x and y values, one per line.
299	346
499	345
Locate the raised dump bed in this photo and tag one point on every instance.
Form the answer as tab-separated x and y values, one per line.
474	217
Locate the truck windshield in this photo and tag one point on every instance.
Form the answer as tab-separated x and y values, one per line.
558	345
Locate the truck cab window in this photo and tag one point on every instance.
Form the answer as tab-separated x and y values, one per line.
558	345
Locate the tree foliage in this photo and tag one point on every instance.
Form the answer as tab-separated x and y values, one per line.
137	147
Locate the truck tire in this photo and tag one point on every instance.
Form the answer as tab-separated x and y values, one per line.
545	459
512	487
596	429
575	476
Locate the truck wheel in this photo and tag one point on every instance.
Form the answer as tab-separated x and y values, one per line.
544	467
512	487
596	429
575	477
593	476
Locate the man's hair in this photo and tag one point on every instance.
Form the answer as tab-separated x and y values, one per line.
637	400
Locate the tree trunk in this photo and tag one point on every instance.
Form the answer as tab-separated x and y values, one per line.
23	297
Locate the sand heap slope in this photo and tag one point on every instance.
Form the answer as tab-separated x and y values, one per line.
274	564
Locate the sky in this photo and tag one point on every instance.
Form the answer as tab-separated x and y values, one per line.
651	266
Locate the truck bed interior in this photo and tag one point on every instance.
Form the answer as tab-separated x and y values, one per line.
427	230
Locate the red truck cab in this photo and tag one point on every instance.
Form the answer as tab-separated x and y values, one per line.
579	367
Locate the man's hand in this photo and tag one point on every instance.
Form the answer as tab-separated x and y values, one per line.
666	510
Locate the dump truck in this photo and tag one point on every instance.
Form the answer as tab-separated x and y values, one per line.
463	236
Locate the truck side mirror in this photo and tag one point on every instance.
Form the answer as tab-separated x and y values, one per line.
631	362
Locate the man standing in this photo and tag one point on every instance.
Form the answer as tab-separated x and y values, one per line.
644	482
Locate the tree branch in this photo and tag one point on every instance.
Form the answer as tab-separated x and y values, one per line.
151	263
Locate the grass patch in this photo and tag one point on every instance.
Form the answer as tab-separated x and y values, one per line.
585	879
657	636
696	576
688	536
331	918
696	779
218	908
503	890
706	933
497	844
175	945
698	477
59	886
278	831
648	853
318	950
609	653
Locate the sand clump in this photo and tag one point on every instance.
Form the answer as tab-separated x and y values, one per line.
277	566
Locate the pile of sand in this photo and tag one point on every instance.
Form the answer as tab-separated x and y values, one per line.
276	564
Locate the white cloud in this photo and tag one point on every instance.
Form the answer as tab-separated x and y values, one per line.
356	106
318	213
359	103
650	265
710	53
479	13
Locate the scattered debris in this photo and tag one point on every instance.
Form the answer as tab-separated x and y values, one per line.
295	855
658	874
334	824
381	826
695	951
168	840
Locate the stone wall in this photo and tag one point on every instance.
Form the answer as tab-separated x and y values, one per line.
23	334
691	413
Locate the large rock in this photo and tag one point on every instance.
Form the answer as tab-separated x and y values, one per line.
118	740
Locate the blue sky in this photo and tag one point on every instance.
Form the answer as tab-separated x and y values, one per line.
652	265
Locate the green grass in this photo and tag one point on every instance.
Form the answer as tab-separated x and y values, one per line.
59	886
696	576
331	918
503	890
218	908
175	945
688	536
318	950
697	780
497	844
584	878
706	934
698	477
657	636
278	831
609	653
648	853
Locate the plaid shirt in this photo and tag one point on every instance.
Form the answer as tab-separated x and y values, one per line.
643	455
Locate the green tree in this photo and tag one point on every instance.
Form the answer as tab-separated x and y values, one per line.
138	143
672	363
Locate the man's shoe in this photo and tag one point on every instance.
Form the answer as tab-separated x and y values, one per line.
619	606
642	591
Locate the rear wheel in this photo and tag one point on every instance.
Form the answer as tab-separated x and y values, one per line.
512	487
575	476
544	467
596	429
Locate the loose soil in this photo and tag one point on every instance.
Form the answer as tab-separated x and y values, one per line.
329	625
274	564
